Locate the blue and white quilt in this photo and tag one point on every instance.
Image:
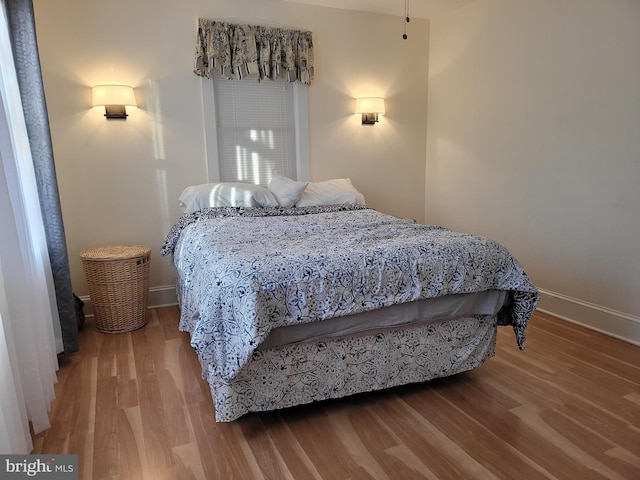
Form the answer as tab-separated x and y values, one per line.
245	271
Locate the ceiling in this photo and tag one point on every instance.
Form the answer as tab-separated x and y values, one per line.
417	8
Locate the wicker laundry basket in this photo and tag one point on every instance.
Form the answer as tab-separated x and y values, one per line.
118	280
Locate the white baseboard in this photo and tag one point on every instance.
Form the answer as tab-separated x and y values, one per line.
595	317
158	297
162	296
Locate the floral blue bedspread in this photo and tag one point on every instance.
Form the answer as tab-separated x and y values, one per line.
245	271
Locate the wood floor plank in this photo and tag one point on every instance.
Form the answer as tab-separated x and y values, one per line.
221	455
297	462
172	403
106	453
167	320
572	457
440	456
594	445
628	463
134	406
130	447
377	445
347	432
321	443
188	462
485	445
607	425
583	382
263	449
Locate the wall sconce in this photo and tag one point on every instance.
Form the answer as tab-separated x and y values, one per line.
370	108
114	98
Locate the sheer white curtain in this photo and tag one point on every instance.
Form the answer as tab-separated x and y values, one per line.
28	360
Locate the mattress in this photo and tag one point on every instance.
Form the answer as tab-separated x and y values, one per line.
420	312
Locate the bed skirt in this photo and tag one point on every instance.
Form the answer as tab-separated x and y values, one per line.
282	377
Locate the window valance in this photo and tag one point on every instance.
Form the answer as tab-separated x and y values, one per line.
236	51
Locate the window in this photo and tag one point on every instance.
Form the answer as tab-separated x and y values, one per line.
254	129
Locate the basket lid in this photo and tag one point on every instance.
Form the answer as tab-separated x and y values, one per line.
115	252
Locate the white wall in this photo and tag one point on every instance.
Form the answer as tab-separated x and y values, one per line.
534	140
119	181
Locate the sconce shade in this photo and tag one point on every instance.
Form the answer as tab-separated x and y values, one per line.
370	105
113	95
114	98
370	108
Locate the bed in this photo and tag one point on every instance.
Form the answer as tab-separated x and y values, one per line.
287	305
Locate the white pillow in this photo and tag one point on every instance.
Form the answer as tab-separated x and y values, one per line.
338	191
225	194
286	190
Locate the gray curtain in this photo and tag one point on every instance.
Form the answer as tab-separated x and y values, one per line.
25	54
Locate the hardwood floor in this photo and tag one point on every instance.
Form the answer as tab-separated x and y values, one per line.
133	406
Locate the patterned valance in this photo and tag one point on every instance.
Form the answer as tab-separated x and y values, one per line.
236	51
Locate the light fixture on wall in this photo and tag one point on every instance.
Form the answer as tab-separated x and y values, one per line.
370	108
115	99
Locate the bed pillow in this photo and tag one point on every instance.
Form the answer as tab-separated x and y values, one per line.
338	191
286	190
225	194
